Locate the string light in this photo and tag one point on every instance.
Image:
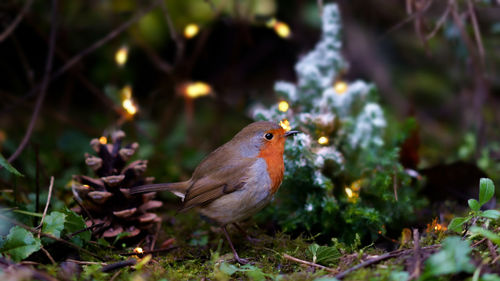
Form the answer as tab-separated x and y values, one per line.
197	89
340	87
323	140
127	102
281	28
121	56
103	140
283	106
191	30
349	192
285	125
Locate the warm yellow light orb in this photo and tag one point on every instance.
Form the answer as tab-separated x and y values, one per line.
138	250
198	89
191	30
121	56
323	140
129	106
283	106
340	87
285	125
126	92
349	192
282	29
103	140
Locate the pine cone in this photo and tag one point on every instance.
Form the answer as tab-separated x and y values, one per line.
106	198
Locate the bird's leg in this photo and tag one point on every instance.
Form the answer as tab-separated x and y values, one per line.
236	257
249	238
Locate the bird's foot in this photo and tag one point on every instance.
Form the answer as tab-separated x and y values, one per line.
253	240
241	261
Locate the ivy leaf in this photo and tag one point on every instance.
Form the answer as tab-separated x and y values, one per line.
4	163
491	214
20	243
456	224
453	258
486	190
54	224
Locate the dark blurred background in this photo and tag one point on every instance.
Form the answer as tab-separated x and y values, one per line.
436	61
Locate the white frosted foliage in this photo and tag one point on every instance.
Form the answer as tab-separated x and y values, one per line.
347	117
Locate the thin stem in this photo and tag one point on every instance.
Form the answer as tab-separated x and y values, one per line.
16	21
44	85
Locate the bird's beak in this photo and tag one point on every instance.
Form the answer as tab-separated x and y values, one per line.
291	133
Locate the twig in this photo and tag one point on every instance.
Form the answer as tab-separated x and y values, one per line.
16	21
104	40
48	255
155	237
86	262
439	23
114	33
179	43
70	244
85	229
416	249
408	19
37	181
115	275
309	263
477	31
150	251
478	242
51	185
116	265
44	85
492	249
380	258
395	183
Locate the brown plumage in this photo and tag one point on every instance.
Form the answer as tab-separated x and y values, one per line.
237	179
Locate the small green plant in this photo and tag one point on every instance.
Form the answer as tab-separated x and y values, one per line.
21	243
486	192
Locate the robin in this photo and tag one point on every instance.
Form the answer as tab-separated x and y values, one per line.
236	180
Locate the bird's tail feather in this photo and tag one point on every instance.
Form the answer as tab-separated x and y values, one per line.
177	188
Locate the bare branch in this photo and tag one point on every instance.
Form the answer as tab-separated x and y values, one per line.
309	263
46	206
16	21
44	85
477	31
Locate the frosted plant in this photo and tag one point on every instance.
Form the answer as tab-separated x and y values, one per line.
320	109
339	168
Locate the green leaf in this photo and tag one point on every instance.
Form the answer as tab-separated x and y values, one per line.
4	163
54	224
486	190
28	213
228	269
326	279
326	255
474	205
486	233
74	223
452	258
490	277
20	243
457	223
491	214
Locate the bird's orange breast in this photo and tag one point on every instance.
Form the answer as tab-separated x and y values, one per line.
272	153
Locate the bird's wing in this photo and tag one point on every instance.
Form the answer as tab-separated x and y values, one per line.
222	180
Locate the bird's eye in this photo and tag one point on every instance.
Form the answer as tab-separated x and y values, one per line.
268	136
